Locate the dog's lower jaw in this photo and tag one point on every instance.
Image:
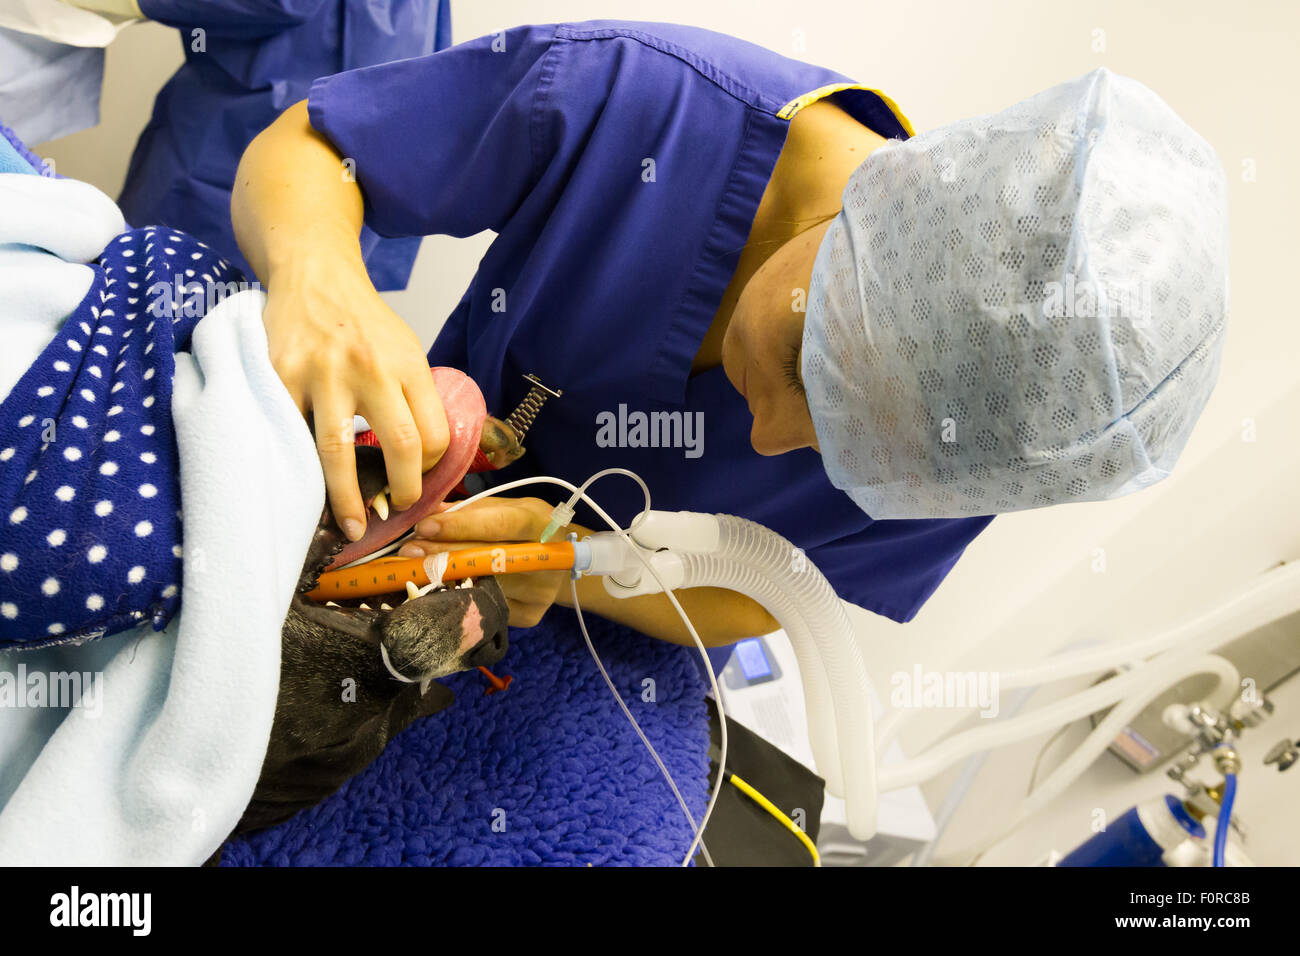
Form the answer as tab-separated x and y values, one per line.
338	704
336	711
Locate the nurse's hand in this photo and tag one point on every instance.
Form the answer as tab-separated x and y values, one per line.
341	351
491	521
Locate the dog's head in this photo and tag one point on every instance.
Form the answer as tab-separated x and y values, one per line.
414	639
354	674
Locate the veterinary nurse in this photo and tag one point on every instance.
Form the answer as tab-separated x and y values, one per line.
665	200
245	62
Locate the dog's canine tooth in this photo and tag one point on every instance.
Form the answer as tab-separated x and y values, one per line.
412	592
380	504
331	604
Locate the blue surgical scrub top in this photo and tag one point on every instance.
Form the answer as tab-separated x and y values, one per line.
246	61
621	166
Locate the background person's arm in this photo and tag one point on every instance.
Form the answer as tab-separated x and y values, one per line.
242	19
336	345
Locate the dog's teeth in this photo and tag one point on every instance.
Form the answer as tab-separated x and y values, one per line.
385	607
330	604
364	606
412	592
380	504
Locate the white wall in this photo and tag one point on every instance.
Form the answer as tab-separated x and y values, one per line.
1228	69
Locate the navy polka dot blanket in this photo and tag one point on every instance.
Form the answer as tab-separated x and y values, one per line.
89	494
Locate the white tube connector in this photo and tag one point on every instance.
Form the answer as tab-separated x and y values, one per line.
610	555
678	530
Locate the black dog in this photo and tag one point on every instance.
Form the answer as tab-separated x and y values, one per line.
339	701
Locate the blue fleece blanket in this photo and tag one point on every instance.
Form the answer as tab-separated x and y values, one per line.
548	773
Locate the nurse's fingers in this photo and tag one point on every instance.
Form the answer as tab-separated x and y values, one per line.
389	416
489	519
430	418
332	412
420	547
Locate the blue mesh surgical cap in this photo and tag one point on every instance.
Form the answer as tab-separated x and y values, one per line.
1022	309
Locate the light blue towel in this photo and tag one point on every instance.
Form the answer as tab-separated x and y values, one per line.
10	160
153	759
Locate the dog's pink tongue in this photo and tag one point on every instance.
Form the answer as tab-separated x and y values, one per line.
465	408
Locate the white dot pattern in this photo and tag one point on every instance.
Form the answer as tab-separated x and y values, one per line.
1021	309
90	518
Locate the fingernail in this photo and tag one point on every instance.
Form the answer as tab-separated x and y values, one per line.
353	528
411	551
429	527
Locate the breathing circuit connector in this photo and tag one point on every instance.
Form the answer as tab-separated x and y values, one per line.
560	516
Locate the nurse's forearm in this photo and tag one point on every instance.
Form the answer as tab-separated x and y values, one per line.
338	348
720	616
293	207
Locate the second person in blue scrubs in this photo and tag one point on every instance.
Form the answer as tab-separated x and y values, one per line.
658	195
246	61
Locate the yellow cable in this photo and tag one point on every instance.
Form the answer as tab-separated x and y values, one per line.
771	808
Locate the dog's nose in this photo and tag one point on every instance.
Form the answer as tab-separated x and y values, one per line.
488	651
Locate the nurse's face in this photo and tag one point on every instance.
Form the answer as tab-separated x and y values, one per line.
761	348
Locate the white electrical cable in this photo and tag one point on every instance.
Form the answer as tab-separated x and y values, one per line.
1104	734
1273	595
960	789
386	549
1041	720
957	793
1110	727
618	698
580	493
